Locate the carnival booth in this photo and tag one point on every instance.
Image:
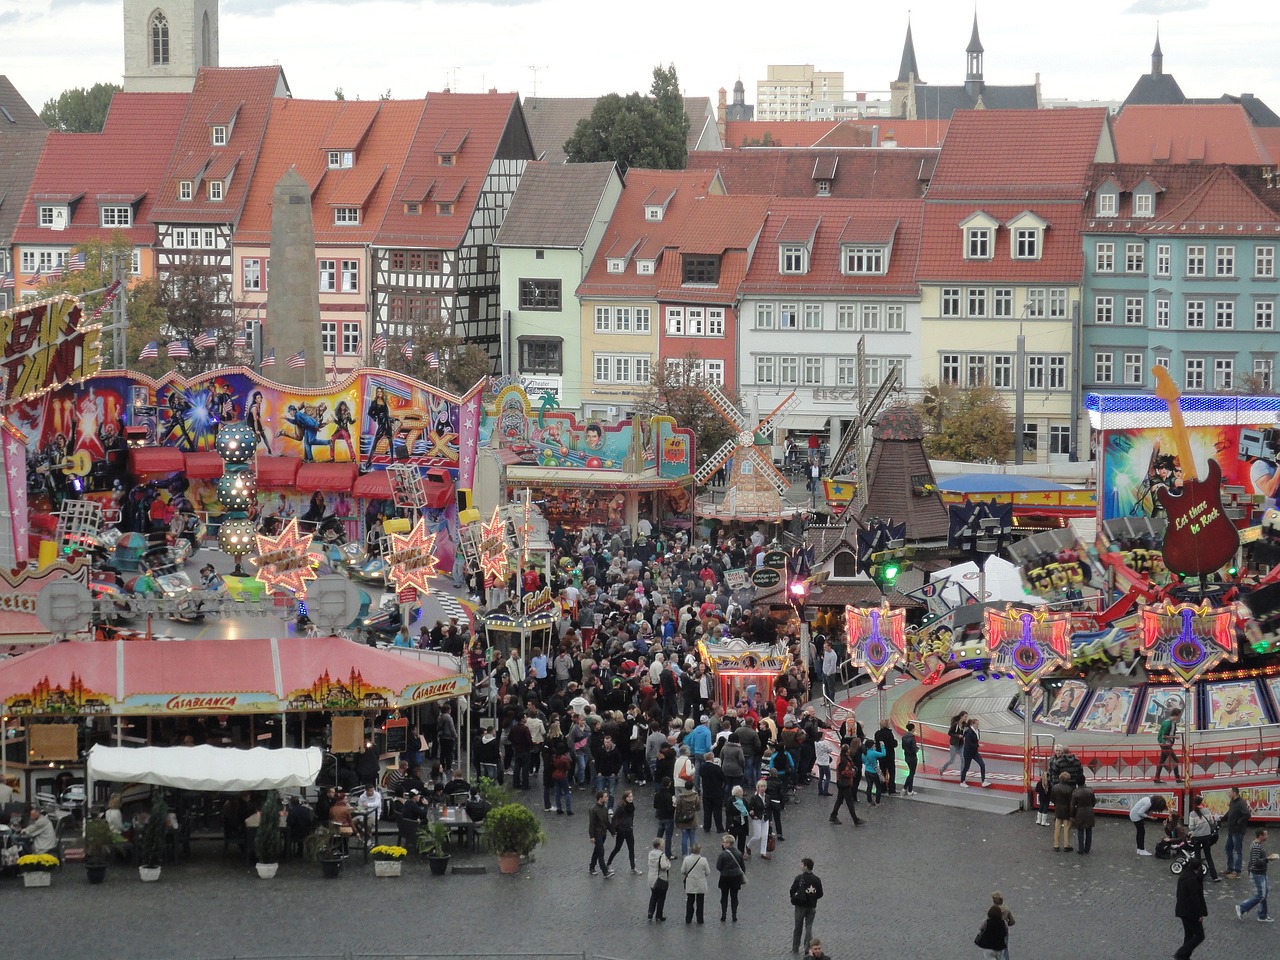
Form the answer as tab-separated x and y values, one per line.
742	670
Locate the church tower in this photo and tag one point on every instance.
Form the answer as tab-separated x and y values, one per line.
973	63
166	42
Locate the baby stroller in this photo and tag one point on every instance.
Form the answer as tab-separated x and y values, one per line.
1181	853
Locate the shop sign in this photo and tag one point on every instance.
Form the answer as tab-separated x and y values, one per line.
766	577
436	689
777	559
737	578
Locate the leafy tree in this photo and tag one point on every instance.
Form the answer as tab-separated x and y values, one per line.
676	390
461	366
192	298
636	130
79	110
973	425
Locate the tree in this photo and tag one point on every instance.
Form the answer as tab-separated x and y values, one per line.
193	298
676	390
973	425
79	110
462	366
636	130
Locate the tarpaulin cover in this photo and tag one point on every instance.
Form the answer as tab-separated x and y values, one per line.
155	460
206	768
204	465
329	477
275	473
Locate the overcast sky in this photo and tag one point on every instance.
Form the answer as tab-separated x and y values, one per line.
1087	49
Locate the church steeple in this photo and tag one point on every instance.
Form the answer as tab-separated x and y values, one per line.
908	70
973	59
1157	57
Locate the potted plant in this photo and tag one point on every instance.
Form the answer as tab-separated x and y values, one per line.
151	841
268	842
433	841
512	832
99	841
492	791
321	846
37	869
387	859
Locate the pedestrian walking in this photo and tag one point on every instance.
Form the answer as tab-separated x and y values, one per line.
737	817
1060	796
712	785
623	826
1190	908
1258	860
955	740
732	867
889	762
761	819
1167	737
688	803
1083	818
696	871
993	935
664	809
911	757
1139	814
659	880
1238	814
997	900
806	891
846	789
1204	834
970	755
598	830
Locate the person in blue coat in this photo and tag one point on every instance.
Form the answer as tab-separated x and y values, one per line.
871	769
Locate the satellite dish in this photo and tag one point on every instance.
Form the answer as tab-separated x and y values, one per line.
64	606
332	603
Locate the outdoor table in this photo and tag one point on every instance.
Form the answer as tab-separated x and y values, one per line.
367	825
457	821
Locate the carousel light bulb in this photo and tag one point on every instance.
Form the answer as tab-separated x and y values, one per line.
235	537
236	442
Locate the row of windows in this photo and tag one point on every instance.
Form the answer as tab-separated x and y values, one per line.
997	302
695	321
792	371
623	319
1198	314
195	238
1024	243
1130	369
1198	262
850	317
350	338
1040	372
42	261
1144	204
626	368
416	261
335	276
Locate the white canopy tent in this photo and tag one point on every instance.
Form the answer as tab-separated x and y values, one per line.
205	768
1003	583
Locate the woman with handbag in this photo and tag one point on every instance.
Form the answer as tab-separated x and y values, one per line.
760	818
659	879
733	874
993	935
1204	834
697	872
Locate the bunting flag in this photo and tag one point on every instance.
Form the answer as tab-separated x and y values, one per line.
150	352
7	282
205	340
407	349
270	359
433	360
75	264
179	350
298	360
379	345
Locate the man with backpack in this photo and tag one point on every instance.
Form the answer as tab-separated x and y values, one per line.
806	891
1167	737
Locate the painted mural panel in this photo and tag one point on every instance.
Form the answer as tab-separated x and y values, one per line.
1235	704
1109	711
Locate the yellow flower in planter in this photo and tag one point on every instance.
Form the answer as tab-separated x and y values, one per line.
385	852
38	861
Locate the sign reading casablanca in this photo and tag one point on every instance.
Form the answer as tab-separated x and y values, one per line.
46	344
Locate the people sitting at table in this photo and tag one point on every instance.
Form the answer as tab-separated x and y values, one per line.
114	815
298	822
456	785
413	782
370	802
340	814
39	835
477	807
393	779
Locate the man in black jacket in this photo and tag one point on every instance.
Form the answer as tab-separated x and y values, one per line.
806	891
712	794
1190	908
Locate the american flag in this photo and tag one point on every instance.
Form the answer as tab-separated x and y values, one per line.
270	359
407	349
241	341
205	340
298	360
112	292
150	352
433	360
6	282
179	350
75	264
54	275
379	344
35	277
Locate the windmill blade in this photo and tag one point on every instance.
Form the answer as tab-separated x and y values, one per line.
767	423
727	410
774	475
715	461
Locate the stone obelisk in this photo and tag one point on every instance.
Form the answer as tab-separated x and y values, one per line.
293	298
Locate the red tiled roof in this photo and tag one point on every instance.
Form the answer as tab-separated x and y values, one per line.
220	94
126	159
351	126
860	219
776	133
942	244
726	226
1270	137
878	132
485	118
1194	199
1009	154
1188	133
785	172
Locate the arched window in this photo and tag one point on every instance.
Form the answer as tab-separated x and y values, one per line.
845	566
159	40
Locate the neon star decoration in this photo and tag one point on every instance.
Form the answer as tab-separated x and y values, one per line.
413	562
877	638
1028	643
494	558
1188	640
284	561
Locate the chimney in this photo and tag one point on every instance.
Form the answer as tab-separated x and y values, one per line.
722	108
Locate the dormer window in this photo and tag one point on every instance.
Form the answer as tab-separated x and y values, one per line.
645	267
215	190
700	269
616	265
1026	236
341	159
444	209
793	259
346	216
446	159
978	243
219	136
185	190
1144	204
53	216
653	213
824	188
865	261
413	208
117	216
1108	203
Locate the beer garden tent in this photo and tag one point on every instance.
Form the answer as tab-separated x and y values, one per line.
244	676
206	767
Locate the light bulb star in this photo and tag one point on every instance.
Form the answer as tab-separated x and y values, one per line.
284	561
412	560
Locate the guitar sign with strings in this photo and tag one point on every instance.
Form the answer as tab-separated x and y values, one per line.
1200	539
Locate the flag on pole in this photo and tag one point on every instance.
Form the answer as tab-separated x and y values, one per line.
298	360
205	340
270	359
179	350
150	352
379	344
75	264
35	277
112	292
407	349
54	275
6	282
433	360
241	341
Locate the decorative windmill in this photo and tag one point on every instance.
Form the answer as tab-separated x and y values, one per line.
748	461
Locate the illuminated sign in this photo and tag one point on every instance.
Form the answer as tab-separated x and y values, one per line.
46	344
